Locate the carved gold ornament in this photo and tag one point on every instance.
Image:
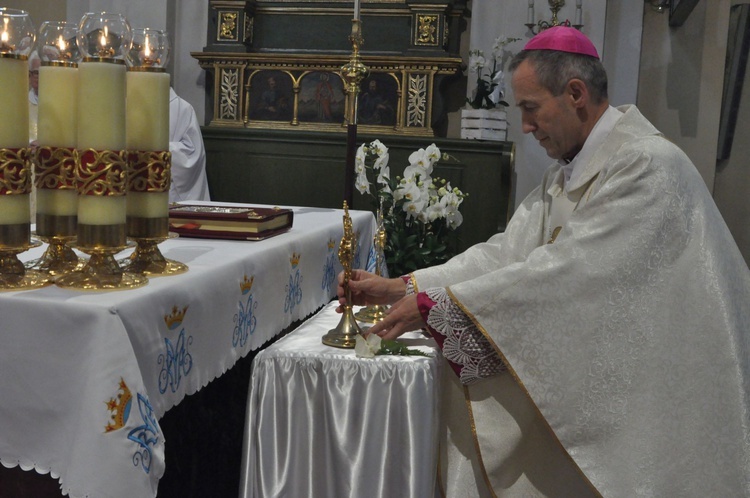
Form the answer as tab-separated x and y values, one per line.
150	171
427	26
228	26
14	171
102	172
55	168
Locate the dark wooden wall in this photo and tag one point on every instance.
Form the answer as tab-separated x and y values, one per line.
303	168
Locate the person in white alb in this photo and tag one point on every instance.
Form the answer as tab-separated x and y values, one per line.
600	346
189	180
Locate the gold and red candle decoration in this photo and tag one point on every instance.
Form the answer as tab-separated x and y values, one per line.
16	41
103	39
15	187
54	165
147	135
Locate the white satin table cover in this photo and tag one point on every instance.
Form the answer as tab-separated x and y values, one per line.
322	422
85	376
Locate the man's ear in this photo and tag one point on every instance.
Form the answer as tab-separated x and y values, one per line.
577	92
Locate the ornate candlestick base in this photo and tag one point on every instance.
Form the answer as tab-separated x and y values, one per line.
59	258
147	259
13	274
371	314
345	333
101	272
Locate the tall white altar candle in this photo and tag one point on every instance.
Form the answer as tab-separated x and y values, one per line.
356	10
57	127
58	105
101	126
14	129
14	102
147	110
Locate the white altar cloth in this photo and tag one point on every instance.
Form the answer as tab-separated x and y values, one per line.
85	376
322	422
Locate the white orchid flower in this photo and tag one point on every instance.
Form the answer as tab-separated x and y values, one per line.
433	153
382	161
367	348
477	62
361	183
454	218
378	147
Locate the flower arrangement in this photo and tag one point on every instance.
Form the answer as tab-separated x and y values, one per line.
490	88
420	213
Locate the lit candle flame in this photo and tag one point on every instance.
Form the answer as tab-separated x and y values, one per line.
147	49
4	37
103	39
61	43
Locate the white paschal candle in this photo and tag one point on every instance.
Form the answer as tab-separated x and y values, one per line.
14	129
147	129
101	126
57	127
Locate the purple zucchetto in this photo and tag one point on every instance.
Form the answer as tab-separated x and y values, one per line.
563	39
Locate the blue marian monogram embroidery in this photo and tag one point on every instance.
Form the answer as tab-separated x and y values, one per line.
245	318
329	271
146	435
176	361
294	287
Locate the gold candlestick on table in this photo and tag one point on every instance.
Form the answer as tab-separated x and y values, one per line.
15	222
345	333
103	39
54	157
147	139
376	312
353	73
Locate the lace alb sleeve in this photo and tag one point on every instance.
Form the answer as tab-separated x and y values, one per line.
467	350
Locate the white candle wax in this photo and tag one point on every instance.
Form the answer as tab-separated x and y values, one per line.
57	202
58	106
530	15
14	103
148	204
101	105
579	16
147	111
147	129
101	126
15	209
101	210
356	10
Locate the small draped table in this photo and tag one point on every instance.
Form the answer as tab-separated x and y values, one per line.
323	422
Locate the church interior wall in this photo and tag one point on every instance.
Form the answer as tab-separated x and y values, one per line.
677	79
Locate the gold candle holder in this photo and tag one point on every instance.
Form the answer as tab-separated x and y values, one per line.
376	312
100	175
15	223
148	184
345	333
56	219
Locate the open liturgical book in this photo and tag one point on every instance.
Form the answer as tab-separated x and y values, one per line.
229	222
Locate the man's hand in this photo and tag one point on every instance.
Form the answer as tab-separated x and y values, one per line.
367	288
403	316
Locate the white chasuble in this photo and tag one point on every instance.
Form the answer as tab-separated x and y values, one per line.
629	336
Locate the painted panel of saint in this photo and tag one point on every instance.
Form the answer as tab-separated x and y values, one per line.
321	98
271	97
378	100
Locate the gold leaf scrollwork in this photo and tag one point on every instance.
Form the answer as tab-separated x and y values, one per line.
228	27
417	104
426	30
101	172
150	171
54	168
229	93
15	177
